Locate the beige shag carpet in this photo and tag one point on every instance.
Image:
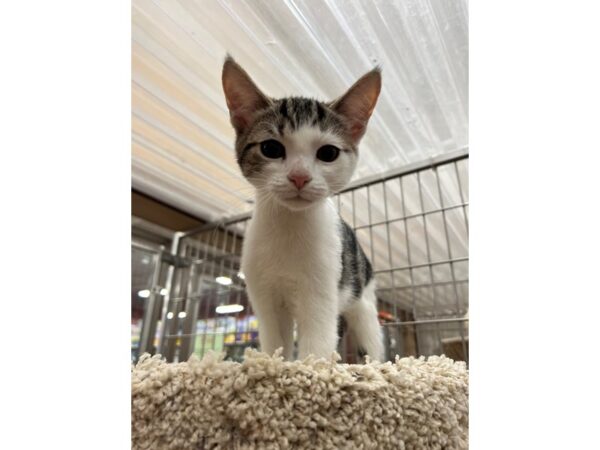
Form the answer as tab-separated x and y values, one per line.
267	403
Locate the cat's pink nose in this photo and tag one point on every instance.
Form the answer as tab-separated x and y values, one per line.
299	179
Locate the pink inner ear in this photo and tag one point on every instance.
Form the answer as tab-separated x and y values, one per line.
238	119
234	101
357	129
238	110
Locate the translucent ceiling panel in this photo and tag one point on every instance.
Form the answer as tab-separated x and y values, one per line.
182	140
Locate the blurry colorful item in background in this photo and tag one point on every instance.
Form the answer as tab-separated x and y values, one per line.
225	333
247	323
385	316
157	334
136	331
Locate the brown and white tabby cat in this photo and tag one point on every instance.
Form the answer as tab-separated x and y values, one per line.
302	262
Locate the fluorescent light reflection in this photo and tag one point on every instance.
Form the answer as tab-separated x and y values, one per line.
229	309
225	281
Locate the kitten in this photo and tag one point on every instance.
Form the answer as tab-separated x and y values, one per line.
301	261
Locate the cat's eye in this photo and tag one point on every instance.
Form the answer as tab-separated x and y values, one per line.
272	149
328	153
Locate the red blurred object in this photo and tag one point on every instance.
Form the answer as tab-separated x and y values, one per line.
385	316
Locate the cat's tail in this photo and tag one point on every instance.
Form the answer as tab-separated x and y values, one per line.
363	322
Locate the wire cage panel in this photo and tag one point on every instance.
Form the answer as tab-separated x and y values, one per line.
412	224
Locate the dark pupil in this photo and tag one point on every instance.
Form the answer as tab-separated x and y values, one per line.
328	153
272	149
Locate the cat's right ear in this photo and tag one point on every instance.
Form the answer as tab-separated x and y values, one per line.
242	96
357	104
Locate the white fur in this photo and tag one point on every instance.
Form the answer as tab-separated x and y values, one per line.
291	260
363	323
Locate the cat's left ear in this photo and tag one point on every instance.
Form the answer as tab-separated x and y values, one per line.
242	96
357	104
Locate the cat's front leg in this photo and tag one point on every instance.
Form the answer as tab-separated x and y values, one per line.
275	325
317	318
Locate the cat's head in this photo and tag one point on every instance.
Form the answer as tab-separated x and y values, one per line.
296	150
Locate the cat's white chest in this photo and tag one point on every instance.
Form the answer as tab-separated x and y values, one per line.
283	253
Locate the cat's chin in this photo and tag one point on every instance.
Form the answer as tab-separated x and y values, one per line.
297	203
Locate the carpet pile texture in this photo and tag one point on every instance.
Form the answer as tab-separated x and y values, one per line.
268	403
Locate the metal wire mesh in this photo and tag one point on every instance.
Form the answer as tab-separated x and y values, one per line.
413	225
